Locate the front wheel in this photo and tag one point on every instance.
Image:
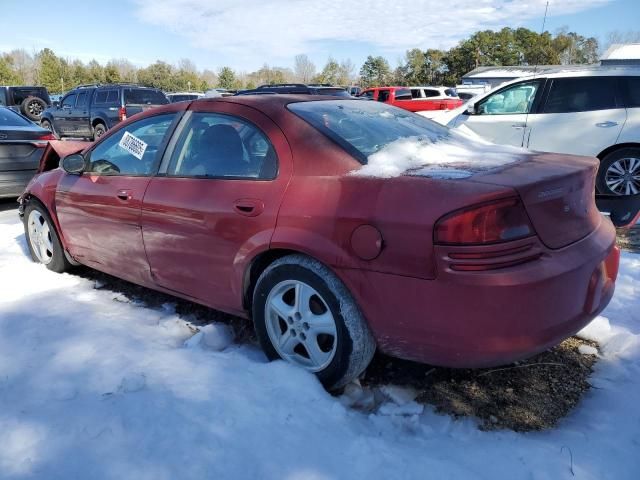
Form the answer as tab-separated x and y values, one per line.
42	238
305	315
619	172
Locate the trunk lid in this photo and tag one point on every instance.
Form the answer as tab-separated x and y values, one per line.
557	192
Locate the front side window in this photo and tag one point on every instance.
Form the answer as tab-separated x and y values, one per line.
69	101
581	94
516	99
222	146
416	93
133	150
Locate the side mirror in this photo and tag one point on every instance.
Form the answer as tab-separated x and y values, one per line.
74	164
471	108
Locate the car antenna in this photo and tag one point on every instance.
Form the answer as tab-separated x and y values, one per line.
535	68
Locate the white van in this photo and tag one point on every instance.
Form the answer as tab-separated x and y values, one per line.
593	112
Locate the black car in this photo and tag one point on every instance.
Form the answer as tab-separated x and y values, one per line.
297	88
88	111
22	143
30	101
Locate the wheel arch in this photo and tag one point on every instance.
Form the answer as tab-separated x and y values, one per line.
616	147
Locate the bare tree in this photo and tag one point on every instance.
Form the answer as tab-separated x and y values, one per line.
345	72
303	69
616	36
23	66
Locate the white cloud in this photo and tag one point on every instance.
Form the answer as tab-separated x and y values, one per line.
264	30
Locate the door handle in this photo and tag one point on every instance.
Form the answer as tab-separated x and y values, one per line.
519	126
248	207
124	195
606	124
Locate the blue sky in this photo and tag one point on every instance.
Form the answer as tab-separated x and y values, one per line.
245	34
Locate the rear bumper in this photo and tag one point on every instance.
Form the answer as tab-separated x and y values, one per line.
12	184
480	319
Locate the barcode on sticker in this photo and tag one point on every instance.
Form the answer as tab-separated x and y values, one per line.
133	145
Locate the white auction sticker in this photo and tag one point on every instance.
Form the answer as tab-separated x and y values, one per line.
133	145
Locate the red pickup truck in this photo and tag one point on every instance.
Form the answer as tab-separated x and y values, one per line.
401	97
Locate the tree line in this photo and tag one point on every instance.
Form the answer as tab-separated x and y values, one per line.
507	46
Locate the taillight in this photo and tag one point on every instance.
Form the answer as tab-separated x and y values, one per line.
122	114
493	222
48	136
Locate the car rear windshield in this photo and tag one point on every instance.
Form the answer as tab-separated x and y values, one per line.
9	118
364	128
144	96
183	98
336	92
21	93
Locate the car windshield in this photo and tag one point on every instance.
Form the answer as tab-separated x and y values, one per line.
144	96
9	118
364	128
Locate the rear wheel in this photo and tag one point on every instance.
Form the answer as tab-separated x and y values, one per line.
42	238
32	108
99	130
619	172
305	315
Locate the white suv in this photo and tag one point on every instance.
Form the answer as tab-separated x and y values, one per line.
594	111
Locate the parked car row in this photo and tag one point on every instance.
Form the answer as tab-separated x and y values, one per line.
588	112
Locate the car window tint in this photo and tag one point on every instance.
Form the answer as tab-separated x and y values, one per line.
144	96
214	145
82	99
20	94
9	118
383	95
113	97
69	100
451	92
3	96
632	85
513	100
101	97
403	94
581	94
415	93
368	94
431	93
113	157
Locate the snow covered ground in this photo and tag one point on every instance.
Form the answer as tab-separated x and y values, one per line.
92	387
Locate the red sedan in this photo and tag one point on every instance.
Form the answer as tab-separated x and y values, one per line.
339	226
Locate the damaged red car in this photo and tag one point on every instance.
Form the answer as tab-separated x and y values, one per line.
338	226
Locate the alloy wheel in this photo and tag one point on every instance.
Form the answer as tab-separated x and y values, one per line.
623	176
300	325
40	237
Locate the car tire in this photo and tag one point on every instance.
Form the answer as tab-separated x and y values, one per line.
619	172
327	336
42	238
46	125
32	108
99	130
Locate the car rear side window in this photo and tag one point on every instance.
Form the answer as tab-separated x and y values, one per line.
431	93
101	97
223	146
403	94
415	93
134	150
581	94
113	97
383	95
364	128
144	96
82	99
632	87
9	118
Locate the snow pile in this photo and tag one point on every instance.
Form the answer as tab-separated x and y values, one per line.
93	386
453	156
